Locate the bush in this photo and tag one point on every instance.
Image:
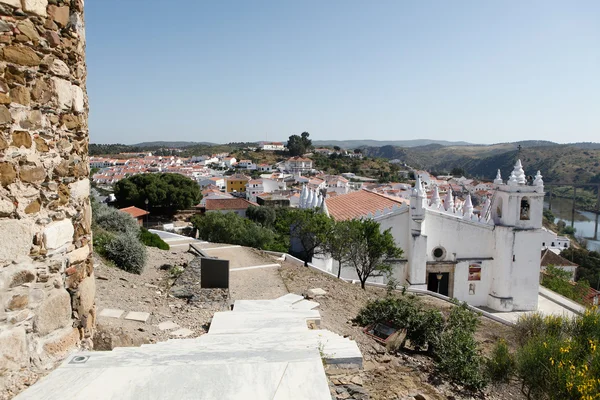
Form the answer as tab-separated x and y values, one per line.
153	240
233	229
112	220
501	365
101	240
127	252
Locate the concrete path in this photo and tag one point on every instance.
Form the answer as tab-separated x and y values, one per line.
545	306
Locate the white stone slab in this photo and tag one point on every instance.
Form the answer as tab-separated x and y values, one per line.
167	325
111	313
316	292
183	332
305	305
138	316
290	298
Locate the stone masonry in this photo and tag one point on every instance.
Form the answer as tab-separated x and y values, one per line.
46	275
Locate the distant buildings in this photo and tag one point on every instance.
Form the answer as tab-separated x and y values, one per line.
299	165
236	183
272	146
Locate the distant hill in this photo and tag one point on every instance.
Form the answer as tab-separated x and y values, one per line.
557	162
353	144
175	144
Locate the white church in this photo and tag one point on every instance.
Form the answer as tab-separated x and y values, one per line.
489	258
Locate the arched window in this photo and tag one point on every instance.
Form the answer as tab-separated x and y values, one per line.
524	215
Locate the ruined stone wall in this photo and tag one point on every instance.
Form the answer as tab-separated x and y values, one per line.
46	274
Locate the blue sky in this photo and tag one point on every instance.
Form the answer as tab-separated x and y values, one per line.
223	71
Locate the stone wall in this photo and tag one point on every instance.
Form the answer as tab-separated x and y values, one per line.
46	274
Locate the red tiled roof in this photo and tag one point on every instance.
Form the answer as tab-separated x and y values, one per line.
228	204
134	211
358	204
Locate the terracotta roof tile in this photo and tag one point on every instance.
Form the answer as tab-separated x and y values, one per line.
551	258
228	204
358	204
134	211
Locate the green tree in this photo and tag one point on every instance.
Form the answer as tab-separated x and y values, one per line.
337	148
310	229
166	193
371	250
336	243
299	144
264	216
233	229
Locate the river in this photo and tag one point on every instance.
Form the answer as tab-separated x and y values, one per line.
585	222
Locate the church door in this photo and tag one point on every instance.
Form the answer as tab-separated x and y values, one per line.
436	285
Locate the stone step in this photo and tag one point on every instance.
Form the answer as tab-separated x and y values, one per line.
262	321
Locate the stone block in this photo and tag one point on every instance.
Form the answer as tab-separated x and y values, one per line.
32	174
54	312
7	173
5	116
17	302
20	95
14	3
21	138
317	292
21	56
61	342
111	313
167	325
28	29
13	348
80	189
7	207
17	275
60	15
79	255
59	68
62	91
58	234
37	7
20	240
87	293
137	316
78	101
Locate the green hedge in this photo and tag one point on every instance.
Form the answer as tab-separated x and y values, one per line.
153	240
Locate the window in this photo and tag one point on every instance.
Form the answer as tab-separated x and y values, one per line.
439	253
524	215
543	244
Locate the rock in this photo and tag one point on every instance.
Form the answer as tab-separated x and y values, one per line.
70	121
41	92
53	38
5	26
7	174
4	99
5	116
59	68
107	338
20	241
87	293
80	190
21	138
21	55
37	7
58	234
33	207
61	342
6	207
63	93
54	313
314	293
26	27
20	95
13	348
78	101
17	302
14	3
419	396
60	15
79	255
41	145
357	380
32	174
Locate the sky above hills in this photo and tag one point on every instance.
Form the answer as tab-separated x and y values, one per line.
223	71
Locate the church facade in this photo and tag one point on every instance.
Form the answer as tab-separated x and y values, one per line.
488	257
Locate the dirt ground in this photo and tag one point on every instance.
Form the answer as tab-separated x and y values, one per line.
391	376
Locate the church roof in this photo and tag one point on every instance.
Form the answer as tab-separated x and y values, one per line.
551	258
359	204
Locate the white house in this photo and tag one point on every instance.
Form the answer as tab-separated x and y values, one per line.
552	241
218	181
298	165
490	259
228	162
245	164
273	146
264	168
255	187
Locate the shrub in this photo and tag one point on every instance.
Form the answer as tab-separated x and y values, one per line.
112	220
101	239
127	252
501	364
152	239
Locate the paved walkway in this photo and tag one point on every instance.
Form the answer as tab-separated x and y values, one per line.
545	306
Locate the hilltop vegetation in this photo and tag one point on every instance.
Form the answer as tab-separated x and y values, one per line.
558	163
